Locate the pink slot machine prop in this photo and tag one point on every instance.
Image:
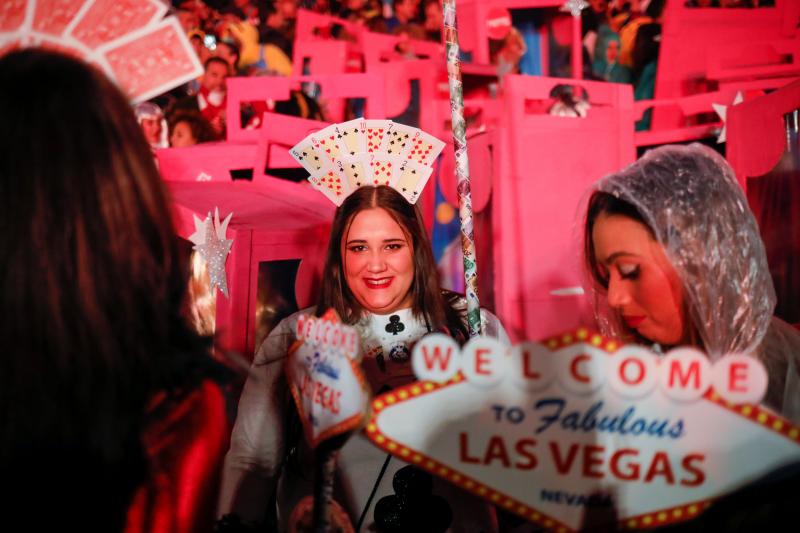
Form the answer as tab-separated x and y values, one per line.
334	89
703	48
756	133
542	169
279	231
311	25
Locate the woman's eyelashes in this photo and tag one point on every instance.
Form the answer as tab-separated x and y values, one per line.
392	247
628	271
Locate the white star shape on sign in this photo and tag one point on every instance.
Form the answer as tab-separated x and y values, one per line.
574	7
722	111
210	242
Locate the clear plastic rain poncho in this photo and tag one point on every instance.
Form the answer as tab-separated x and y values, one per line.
691	200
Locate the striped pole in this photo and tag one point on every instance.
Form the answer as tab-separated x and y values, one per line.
462	167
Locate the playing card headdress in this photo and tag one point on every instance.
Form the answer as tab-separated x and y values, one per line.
343	157
130	40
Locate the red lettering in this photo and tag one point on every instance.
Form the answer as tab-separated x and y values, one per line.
463	452
527	371
573	368
737	374
563	465
590	460
660	467
436	357
624	377
632	468
699	475
692	371
496	450
481	361
521	449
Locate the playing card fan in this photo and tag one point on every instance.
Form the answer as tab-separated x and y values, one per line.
343	157
130	40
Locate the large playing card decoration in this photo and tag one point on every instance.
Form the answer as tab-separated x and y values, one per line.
580	424
130	40
343	157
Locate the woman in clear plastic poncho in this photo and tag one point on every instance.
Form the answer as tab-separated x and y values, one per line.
674	257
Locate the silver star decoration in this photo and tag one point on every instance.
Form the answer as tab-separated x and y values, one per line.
722	111
210	242
574	7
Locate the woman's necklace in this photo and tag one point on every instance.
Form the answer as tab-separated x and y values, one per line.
387	340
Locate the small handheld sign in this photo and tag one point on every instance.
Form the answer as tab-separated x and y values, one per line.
551	431
331	396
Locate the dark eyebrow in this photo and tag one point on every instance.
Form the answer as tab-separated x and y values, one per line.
385	241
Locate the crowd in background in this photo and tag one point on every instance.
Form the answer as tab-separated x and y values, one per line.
621	41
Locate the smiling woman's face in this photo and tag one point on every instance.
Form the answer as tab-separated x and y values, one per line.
378	262
643	287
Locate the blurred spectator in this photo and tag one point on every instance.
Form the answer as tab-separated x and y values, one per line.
151	121
433	20
405	12
506	53
210	99
273	30
567	104
228	49
198	40
188	128
645	61
265	59
407	32
360	10
288	12
614	72
249	10
188	19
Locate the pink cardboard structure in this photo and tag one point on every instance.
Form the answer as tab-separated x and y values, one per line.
334	89
474	33
756	132
542	171
251	89
311	25
272	220
702	47
278	134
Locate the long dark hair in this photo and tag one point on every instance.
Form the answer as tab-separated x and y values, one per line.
429	303
93	288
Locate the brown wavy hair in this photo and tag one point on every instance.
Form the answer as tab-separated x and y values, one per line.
429	303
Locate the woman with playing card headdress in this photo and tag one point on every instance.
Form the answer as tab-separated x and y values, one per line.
109	415
379	276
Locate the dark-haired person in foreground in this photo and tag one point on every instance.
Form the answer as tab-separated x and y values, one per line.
110	418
